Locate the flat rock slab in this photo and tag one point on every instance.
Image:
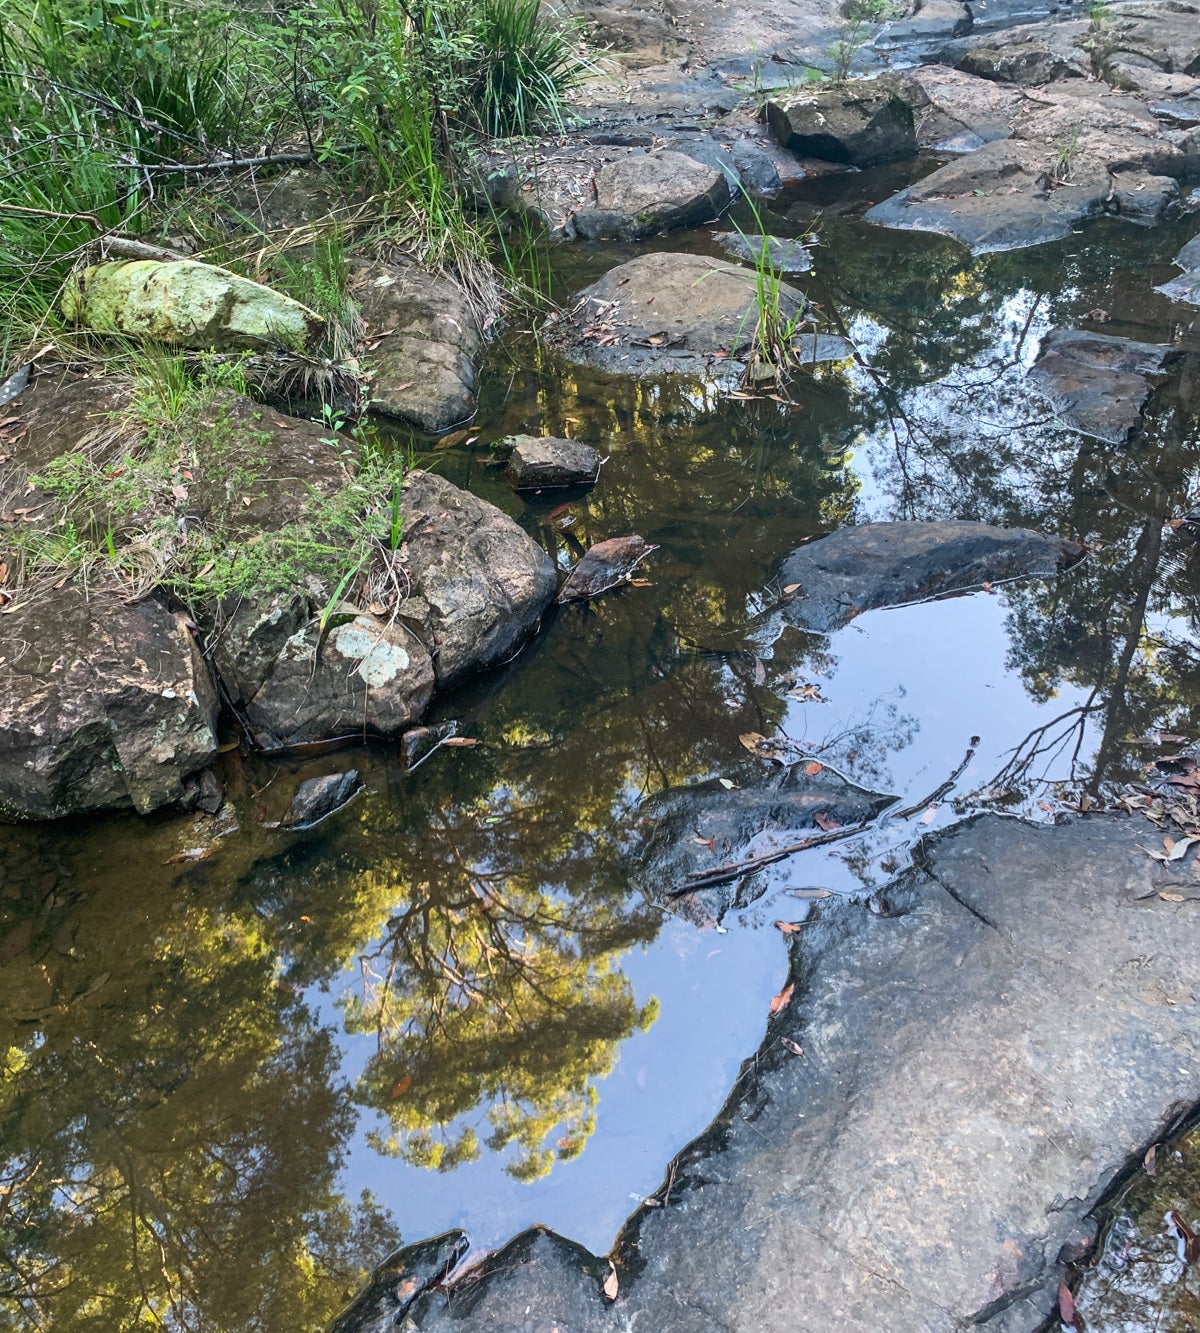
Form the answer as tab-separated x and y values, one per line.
1098	384
959	112
675	313
862	124
978	1068
425	367
649	193
874	565
783	255
606	565
538	462
102	705
1186	287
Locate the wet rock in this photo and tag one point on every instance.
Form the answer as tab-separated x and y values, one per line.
963	112
102	705
544	461
606	565
863	124
203	791
480	581
1030	63
399	1281
769	808
930	19
365	677
668	313
701	148
785	256
1097	384
419	743
759	175
188	304
649	193
873	565
426	366
318	798
1186	287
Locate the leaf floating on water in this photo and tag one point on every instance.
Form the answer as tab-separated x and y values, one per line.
789	927
813	768
760	671
710	843
752	740
791	588
930	815
826	822
460	742
1150	1161
1066	1308
400	1087
811	894
789	1045
727	783
611	1286
783	999
189	854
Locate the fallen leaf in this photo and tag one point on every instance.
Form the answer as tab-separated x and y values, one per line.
641	583
760	671
611	1287
1150	1161
1066	1307
1185	1237
789	1045
825	821
930	815
789	927
752	740
246	500
813	768
461	742
811	894
783	999
727	783
189	854
791	588
1172	897
400	1087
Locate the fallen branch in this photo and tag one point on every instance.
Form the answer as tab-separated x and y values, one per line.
707	879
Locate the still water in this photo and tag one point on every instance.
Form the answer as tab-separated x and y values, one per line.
232	1082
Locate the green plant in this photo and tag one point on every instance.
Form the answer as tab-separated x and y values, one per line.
1065	151
859	17
1098	15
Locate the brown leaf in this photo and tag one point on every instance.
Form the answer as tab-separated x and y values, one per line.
810	895
461	742
400	1087
1172	897
789	1045
783	999
1066	1307
611	1286
791	588
825	821
930	815
1150	1161
752	740
813	768
641	583
789	927
189	854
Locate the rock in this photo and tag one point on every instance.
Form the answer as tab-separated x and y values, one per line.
1030	63
933	1158
930	19
700	148
606	565
102	705
544	461
963	112
649	193
188	304
785	256
418	744
425	369
872	565
769	807
398	1281
668	313
290	201
203	791
863	124
759	175
367	677
482	582
1186	287
1097	384
318	798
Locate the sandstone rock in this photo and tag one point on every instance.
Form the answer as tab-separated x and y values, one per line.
930	19
102	705
652	192
480	581
963	112
856	569
186	303
785	256
1186	287
1030	63
606	565
1097	384
426	367
670	312
544	461
863	124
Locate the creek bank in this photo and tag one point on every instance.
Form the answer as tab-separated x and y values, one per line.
933	1157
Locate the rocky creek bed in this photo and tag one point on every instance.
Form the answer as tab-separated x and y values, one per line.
798	931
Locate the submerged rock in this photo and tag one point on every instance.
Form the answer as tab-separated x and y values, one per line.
670	313
875	565
1097	384
784	256
187	303
1186	287
649	193
102	705
398	1281
606	565
863	124
318	798
545	461
427	345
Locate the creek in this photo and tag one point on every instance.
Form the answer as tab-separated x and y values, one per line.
448	995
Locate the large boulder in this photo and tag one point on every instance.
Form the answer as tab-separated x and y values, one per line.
863	124
649	193
873	565
188	304
1030	63
537	462
1098	384
102	705
426	341
670	313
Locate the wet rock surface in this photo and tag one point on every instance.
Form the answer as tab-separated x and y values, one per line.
941	1141
862	124
649	193
783	255
604	566
1098	384
872	565
102	705
1186	287
670	313
318	798
398	1281
427	344
546	461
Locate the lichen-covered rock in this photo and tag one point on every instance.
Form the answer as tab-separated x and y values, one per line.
652	192
480	582
862	124
543	461
102	705
427	345
188	304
